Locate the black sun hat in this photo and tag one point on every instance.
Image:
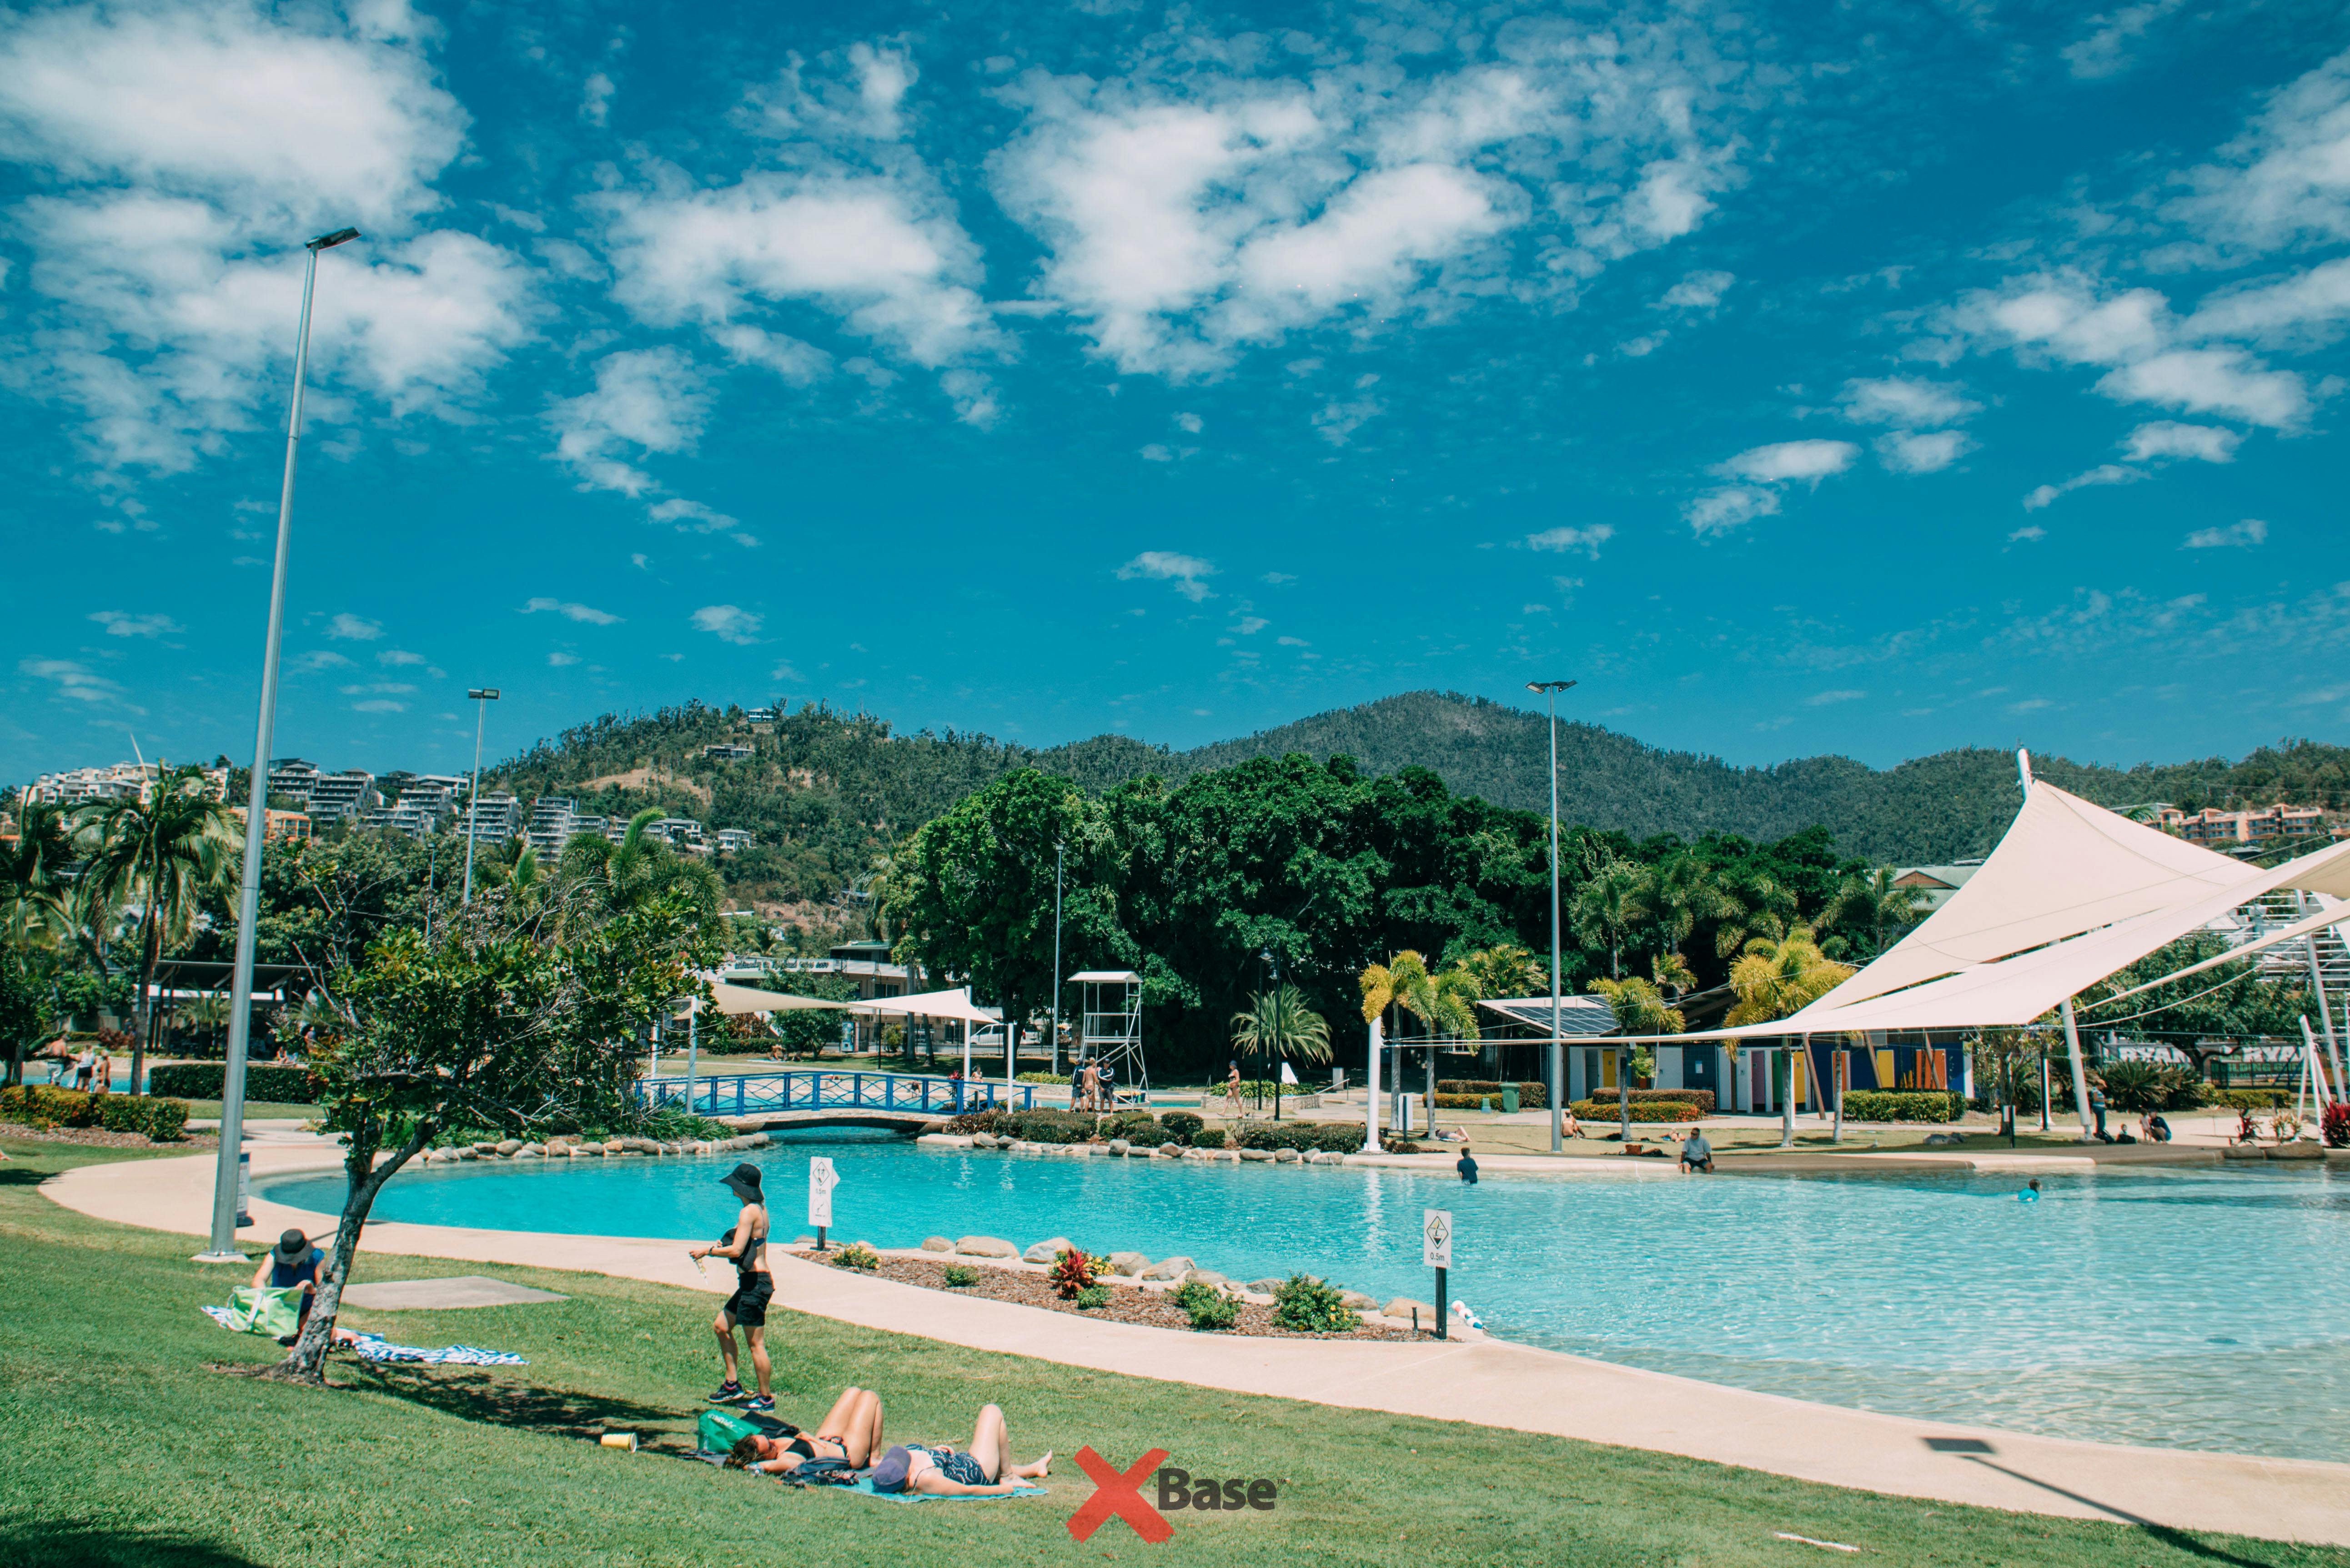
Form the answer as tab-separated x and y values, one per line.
292	1248
745	1184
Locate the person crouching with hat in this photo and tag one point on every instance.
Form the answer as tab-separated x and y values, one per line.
754	1286
293	1262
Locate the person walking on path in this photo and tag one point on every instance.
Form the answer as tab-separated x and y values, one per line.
754	1286
1467	1167
292	1262
1232	1091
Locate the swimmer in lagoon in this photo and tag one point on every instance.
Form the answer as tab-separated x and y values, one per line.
2031	1193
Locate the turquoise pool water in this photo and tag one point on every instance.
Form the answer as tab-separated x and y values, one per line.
2197	1308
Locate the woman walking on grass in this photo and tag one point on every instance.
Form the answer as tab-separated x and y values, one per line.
754	1286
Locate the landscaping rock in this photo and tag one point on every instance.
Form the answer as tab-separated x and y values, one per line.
467	1153
983	1140
1228	1156
2243	1151
701	1146
1403	1307
757	1140
1046	1252
615	1146
986	1247
529	1152
1358	1301
937	1244
509	1147
1130	1264
1169	1151
1285	1156
1119	1146
489	1146
1205	1277
1264	1287
587	1152
1252	1154
2297	1151
1169	1269
937	1127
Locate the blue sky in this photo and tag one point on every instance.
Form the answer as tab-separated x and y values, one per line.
1875	379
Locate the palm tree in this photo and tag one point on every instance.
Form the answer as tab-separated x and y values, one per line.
1672	974
165	851
1279	1025
1876	905
1773	978
1445	1003
641	866
1688	892
1639	1008
1619	896
1754	906
1504	969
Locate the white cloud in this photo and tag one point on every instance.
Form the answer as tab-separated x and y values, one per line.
1250	625
1900	400
1698	291
728	623
398	655
2284	179
319	658
2241	535
1204	205
1563	540
78	682
1157	453
1792	459
380	689
2212	381
1731	507
1168	566
182	147
2302	311
596	99
119	623
2104	474
559	660
2169	438
1191	424
1292	642
583	613
2030	533
1277	578
380	705
354	629
1337	422
1922	452
1823	699
2106	51
653	399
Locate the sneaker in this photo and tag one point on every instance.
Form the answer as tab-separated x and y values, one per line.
764	1404
728	1392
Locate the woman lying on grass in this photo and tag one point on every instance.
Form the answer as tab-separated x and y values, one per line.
979	1469
848	1433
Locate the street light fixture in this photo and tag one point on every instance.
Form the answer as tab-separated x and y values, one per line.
1557	1047
481	697
228	1199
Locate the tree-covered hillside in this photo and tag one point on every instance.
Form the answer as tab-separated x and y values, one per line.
829	794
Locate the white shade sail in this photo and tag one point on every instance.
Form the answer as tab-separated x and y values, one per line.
956	1004
737	998
2331	914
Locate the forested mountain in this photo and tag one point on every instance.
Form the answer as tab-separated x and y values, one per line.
830	792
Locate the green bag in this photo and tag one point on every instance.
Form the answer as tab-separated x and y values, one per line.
719	1430
275	1313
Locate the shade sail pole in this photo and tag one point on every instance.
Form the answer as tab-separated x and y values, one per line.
1371	1095
2080	1074
2324	1008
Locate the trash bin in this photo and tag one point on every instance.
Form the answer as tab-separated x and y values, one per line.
1405	1120
1508	1096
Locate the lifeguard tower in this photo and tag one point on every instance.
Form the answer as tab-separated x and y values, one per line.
1110	1032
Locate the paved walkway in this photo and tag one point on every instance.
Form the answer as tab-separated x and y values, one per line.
1490	1383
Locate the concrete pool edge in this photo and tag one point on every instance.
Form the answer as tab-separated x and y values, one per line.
1489	1383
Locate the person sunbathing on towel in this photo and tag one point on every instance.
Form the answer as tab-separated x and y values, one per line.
851	1430
982	1469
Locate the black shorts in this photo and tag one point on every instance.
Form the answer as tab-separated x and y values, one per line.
748	1306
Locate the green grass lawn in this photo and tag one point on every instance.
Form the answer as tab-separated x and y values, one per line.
125	1445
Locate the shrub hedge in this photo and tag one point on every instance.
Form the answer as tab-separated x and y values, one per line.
1182	1124
39	1106
1641	1110
1210	1139
1530	1097
205	1080
2249	1099
1903	1104
1336	1137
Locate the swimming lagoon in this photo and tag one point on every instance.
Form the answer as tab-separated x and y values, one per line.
2185	1306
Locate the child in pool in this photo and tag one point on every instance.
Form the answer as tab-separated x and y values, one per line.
2031	1193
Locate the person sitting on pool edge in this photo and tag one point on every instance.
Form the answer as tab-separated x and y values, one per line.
849	1432
1697	1154
981	1469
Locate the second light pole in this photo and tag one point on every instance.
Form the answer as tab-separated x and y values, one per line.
480	697
1557	1042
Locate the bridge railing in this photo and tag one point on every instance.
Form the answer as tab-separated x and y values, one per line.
757	1093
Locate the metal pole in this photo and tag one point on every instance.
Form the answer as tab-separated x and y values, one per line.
2079	1073
1058	847
257	815
692	1048
1787	1095
1371	1095
1557	1050
2325	1012
483	696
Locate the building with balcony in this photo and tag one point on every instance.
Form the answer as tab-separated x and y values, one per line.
728	751
735	840
123	781
496	818
551	816
2228	829
277	826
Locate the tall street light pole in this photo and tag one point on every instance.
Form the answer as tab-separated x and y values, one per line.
1557	1043
480	697
1058	849
228	1199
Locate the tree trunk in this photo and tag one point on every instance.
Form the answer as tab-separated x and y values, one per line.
306	1362
150	953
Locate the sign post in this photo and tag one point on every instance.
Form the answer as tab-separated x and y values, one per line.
1435	1253
822	1179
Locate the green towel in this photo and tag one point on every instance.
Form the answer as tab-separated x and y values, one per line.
863	1488
275	1313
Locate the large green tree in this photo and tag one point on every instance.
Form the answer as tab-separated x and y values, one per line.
163	853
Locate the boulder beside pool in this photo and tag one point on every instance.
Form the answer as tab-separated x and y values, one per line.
937	1244
986	1247
1046	1252
1169	1269
1130	1264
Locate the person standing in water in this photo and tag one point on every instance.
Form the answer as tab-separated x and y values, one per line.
754	1286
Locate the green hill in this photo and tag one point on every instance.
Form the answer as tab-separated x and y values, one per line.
828	792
